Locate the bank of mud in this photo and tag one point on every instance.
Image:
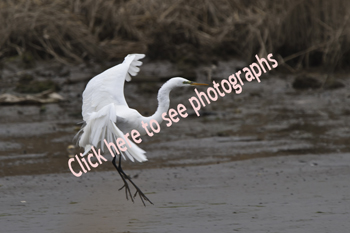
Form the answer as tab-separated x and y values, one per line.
272	159
270	118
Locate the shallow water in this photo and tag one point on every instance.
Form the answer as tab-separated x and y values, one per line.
295	147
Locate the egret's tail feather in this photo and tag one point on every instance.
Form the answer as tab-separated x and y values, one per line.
101	125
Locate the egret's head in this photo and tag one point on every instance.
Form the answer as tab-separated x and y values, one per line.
182	82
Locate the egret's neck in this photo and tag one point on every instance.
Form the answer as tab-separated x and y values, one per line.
163	101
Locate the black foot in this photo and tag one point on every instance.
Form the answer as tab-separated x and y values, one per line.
127	191
126	178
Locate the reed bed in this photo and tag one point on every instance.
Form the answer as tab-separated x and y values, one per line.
302	33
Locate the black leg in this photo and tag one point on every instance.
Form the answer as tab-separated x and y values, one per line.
126	186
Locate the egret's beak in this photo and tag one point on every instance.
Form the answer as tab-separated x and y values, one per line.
198	84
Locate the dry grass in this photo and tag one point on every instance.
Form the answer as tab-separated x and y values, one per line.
303	33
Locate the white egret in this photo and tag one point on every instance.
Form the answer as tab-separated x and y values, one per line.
107	115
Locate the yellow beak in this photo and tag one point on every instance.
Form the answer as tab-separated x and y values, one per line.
198	84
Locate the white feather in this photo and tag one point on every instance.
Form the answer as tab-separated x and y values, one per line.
108	87
108	116
101	98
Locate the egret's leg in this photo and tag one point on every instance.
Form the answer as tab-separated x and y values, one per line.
122	175
138	190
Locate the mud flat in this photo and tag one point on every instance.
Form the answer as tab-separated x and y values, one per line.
271	159
308	193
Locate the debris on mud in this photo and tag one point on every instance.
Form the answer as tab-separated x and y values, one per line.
41	98
334	84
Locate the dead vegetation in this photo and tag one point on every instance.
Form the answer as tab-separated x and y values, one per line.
302	33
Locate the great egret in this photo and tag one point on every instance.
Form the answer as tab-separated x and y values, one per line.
107	115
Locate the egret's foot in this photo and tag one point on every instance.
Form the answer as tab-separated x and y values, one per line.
142	196
127	191
138	191
126	178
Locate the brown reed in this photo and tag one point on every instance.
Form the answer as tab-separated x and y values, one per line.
301	33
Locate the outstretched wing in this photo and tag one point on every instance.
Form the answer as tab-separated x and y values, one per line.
108	87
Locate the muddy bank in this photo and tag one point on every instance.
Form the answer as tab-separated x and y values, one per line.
304	193
270	118
273	158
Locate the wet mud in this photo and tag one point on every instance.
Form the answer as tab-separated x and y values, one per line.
270	124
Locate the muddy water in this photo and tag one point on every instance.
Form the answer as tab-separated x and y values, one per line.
268	119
